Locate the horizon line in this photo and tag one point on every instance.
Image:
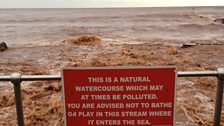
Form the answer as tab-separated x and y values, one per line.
105	7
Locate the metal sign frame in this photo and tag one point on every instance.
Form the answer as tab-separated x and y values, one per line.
121	68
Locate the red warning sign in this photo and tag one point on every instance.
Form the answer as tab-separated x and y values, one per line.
119	96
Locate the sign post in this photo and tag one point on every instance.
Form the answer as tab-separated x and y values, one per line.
115	96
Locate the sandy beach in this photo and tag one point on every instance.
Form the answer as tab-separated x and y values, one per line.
125	37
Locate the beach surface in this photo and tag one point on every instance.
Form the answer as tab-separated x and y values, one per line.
43	41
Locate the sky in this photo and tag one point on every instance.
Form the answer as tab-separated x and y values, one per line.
105	3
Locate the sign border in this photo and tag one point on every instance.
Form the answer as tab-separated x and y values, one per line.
119	67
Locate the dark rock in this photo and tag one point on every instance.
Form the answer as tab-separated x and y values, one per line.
220	20
3	46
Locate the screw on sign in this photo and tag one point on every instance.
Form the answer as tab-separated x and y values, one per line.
116	96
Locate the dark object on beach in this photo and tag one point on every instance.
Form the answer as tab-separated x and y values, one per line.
220	20
188	45
3	46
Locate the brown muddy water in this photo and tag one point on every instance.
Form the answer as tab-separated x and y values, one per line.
127	37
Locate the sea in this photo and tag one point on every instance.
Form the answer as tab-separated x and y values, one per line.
173	24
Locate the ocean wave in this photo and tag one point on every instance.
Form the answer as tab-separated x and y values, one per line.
201	27
24	20
161	15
